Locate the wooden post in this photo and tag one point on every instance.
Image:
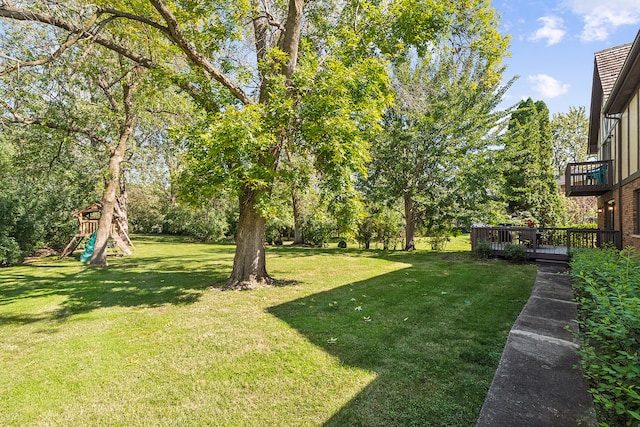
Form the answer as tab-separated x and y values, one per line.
534	231
474	236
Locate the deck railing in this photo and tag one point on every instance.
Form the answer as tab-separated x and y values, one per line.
87	227
545	240
589	178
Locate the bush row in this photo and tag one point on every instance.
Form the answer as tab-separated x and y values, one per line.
32	217
607	286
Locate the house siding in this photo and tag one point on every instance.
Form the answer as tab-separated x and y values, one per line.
633	134
626	154
630	236
614	134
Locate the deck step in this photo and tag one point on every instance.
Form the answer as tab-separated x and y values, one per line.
552	262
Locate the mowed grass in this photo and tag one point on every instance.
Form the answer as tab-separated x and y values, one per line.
351	338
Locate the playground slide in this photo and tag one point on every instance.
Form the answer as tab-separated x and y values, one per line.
88	250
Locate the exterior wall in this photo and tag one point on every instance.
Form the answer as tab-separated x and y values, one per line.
632	128
602	208
624	136
628	133
630	236
625	152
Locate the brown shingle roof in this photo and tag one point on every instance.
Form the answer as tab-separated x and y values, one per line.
609	62
607	66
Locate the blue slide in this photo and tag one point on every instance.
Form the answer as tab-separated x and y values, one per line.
88	250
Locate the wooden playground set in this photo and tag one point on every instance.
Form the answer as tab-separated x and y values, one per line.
88	219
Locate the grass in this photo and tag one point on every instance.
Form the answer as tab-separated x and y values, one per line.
368	338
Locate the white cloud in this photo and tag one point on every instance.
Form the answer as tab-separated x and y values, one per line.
600	18
552	30
548	87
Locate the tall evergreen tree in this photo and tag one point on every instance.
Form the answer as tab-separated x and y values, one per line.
530	185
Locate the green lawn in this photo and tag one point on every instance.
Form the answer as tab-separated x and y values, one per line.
352	337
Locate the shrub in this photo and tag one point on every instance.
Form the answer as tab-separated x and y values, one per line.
272	234
146	208
607	287
365	232
439	242
483	248
584	226
9	251
32	217
317	229
202	224
515	252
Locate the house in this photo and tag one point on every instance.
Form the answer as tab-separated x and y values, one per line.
614	139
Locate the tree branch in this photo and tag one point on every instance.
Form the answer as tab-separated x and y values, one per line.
57	156
290	38
120	14
171	31
106	89
37	121
21	64
176	36
18	14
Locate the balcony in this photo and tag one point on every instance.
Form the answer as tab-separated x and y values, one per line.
589	178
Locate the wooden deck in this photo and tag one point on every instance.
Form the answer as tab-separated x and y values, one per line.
545	244
550	253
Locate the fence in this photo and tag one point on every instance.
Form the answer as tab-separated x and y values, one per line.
542	242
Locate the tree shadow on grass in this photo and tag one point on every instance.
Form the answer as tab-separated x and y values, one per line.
422	330
139	282
289	251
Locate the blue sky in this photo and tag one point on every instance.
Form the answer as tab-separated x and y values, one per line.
553	45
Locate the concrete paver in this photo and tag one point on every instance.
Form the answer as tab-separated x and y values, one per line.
537	382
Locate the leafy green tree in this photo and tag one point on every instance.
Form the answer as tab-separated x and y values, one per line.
105	116
530	185
439	127
381	224
40	188
85	93
316	68
570	132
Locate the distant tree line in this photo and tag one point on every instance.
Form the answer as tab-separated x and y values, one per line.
372	124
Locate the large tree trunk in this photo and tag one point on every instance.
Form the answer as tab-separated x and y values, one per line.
120	211
298	237
249	263
410	219
99	257
122	205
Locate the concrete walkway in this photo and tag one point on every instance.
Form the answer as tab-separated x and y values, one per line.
536	383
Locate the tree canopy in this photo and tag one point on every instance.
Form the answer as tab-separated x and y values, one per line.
531	187
570	132
282	95
443	120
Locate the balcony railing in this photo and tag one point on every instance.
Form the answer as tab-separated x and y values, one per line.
589	178
545	243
